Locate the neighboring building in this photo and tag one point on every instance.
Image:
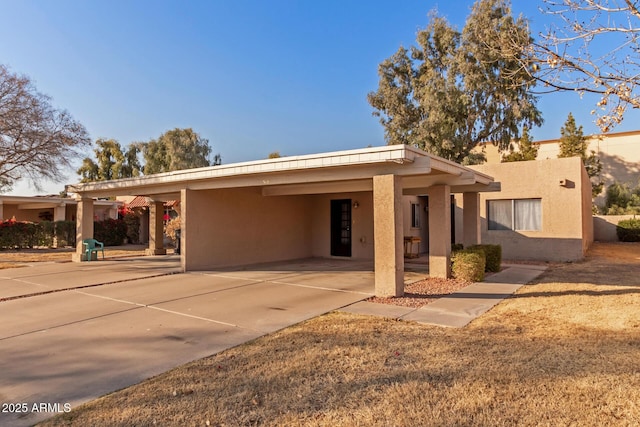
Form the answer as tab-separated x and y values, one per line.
362	204
51	208
139	205
543	211
619	153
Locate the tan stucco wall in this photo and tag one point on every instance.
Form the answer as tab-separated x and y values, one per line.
618	152
566	211
32	215
604	227
587	211
361	224
240	226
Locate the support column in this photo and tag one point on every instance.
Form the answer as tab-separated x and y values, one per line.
388	235
84	227
156	229
185	202
2	212
471	219
440	231
60	212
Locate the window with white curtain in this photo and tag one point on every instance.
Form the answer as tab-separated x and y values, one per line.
518	215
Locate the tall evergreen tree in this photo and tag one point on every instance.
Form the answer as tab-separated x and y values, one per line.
573	143
454	90
527	149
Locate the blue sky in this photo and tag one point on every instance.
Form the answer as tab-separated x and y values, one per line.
252	77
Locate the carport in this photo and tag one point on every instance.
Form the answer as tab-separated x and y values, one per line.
346	204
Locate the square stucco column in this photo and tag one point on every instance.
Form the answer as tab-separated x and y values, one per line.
186	207
60	212
156	229
388	238
440	231
471	219
84	227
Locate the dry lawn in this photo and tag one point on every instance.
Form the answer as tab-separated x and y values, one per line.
10	259
562	352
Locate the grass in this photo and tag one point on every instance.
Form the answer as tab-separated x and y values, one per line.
563	351
12	259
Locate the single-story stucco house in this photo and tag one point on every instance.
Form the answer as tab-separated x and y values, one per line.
358	204
51	208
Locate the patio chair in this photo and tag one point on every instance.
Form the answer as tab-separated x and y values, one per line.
92	245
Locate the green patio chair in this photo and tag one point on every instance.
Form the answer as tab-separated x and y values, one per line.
92	245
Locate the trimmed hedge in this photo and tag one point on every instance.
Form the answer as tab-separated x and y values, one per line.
24	234
493	256
468	265
628	230
111	232
65	233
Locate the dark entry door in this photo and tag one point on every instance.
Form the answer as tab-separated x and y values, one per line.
341	227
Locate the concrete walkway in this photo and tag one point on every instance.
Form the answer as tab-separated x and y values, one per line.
461	307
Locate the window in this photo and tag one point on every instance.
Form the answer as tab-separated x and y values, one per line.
415	215
518	215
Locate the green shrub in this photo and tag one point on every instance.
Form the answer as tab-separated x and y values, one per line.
628	230
455	247
111	232
468	265
133	227
45	233
493	256
65	233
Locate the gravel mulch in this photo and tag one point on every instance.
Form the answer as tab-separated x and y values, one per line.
423	292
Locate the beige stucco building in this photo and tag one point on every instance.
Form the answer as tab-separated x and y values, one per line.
363	204
619	153
344	204
543	211
47	208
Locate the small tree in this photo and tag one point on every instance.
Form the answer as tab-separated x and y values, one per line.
527	149
621	199
573	143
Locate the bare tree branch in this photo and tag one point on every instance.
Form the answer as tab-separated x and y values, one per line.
37	141
594	47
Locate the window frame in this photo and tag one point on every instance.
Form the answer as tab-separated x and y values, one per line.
514	218
415	215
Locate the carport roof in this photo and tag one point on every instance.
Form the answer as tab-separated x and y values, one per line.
350	170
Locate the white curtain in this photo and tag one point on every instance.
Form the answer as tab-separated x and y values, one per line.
528	215
500	215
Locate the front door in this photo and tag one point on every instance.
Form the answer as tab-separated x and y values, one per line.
341	227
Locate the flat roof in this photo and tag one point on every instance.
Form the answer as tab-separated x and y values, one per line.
347	165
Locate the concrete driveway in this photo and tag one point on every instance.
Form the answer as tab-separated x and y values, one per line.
92	328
